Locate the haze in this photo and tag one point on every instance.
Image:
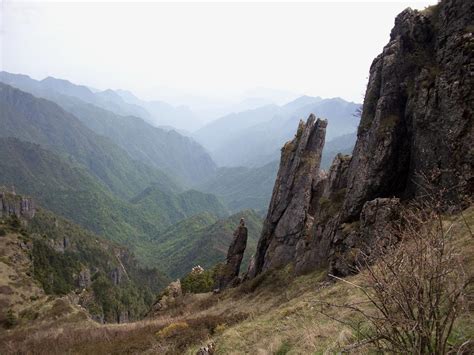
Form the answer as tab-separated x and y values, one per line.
219	50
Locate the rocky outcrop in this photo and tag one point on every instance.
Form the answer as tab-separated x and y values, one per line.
353	243
415	132
84	278
417	113
230	271
288	220
170	297
12	204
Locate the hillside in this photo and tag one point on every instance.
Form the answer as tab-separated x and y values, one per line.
40	121
173	208
164	114
242	188
203	240
54	257
166	150
72	192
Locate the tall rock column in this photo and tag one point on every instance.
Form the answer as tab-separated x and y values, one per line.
288	219
235	255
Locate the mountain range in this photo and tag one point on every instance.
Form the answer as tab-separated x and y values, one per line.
178	156
254	137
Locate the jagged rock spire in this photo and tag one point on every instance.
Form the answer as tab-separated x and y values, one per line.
288	219
235	254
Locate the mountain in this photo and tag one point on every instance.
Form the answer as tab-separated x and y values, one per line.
163	114
243	188
176	207
254	138
218	132
71	191
343	144
43	122
107	99
203	240
164	149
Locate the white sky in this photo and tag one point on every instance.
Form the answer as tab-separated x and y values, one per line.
320	49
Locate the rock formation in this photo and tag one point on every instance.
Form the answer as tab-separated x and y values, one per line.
416	128
12	204
288	220
235	254
170	297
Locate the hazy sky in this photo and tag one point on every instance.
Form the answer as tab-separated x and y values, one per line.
221	49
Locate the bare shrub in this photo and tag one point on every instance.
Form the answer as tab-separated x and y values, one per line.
415	290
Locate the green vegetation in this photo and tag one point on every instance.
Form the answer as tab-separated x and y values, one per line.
172	208
11	319
202	282
203	240
242	188
70	191
55	271
42	122
108	115
62	250
329	207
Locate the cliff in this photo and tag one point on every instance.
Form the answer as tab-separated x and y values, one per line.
416	128
11	204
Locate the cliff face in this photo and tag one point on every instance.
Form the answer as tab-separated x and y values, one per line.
288	220
11	204
416	125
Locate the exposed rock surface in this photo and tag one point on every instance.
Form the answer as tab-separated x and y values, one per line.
288	220
235	254
169	297
12	204
354	241
416	128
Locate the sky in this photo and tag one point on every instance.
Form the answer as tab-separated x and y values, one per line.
205	49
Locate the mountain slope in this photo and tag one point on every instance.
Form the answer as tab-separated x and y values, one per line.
243	188
40	121
107	99
176	207
164	114
203	240
165	150
70	191
52	256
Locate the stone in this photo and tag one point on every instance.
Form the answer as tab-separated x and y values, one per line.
169	297
228	275
84	278
353	243
288	220
13	204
